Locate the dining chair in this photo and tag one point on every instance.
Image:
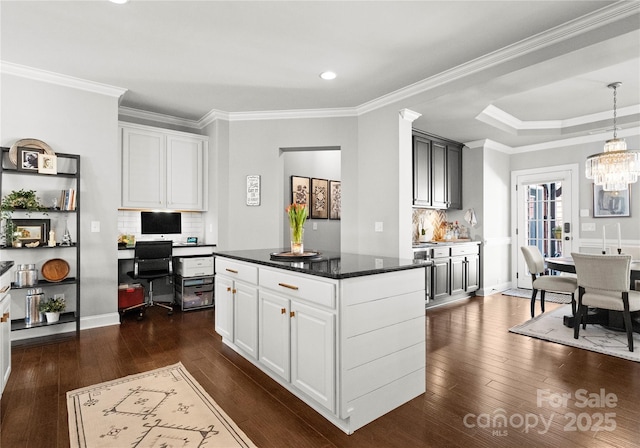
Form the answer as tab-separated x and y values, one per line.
542	282
603	282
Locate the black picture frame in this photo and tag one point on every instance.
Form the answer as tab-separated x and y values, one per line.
335	198
300	190
37	230
611	204
319	207
27	159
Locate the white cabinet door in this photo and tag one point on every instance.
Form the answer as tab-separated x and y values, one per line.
185	168
143	168
245	318
5	341
274	339
224	307
313	353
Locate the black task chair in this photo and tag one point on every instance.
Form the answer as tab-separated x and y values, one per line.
152	261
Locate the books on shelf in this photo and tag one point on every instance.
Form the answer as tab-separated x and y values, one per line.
68	199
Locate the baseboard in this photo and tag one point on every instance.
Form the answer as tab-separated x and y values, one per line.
493	289
99	320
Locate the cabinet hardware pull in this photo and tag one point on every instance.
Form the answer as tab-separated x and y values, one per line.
283	311
228	289
233	271
5	289
5	317
284	285
292	314
234	290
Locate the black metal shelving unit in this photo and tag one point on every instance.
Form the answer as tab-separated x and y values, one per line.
7	169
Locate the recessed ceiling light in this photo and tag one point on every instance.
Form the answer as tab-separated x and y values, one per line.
119	2
328	75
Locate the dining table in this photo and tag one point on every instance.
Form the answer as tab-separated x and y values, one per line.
607	318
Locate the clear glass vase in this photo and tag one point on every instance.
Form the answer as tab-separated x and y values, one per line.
297	244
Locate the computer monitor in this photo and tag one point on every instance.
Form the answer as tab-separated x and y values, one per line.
160	223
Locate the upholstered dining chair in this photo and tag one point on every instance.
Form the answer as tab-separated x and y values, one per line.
603	282
542	282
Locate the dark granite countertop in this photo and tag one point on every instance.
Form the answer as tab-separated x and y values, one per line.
334	265
5	266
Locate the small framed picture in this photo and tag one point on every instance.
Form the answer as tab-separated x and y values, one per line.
32	230
28	159
609	204
47	164
253	189
319	199
334	199
300	190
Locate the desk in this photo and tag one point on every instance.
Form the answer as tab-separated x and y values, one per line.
179	250
607	318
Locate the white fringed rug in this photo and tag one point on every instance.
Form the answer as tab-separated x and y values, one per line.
161	408
549	326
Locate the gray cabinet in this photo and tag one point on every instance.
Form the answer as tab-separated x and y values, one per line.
454	273
437	172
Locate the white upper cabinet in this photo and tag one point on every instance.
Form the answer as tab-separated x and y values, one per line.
163	169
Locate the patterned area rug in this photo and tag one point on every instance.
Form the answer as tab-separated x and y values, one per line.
160	408
548	297
549	326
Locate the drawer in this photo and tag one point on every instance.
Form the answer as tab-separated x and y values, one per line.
439	252
194	299
314	291
465	250
237	270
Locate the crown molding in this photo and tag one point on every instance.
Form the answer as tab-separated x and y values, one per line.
296	113
124	111
23	71
498	118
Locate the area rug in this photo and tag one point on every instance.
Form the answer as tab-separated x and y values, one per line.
161	408
549	326
548	297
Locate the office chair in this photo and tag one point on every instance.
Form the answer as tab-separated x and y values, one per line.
539	281
153	260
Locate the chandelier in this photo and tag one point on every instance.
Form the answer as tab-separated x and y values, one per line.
615	168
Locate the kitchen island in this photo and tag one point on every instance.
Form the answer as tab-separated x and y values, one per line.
343	332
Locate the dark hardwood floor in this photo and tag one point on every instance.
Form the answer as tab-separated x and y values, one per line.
476	371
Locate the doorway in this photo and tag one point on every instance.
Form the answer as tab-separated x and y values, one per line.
546	202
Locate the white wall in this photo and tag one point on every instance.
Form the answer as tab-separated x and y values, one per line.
85	123
253	147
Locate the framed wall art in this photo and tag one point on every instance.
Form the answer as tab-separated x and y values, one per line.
334	199
28	159
300	190
32	230
253	190
319	199
608	204
47	164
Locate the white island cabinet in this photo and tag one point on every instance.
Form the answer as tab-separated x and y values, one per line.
343	334
5	325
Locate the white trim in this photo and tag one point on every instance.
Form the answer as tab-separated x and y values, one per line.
23	71
99	320
124	111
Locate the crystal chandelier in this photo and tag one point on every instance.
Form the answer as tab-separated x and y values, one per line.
615	168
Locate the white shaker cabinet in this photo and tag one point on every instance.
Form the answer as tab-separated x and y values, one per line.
162	169
236	294
297	342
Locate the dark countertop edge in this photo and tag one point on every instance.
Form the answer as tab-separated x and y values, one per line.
5	266
429	245
175	246
275	264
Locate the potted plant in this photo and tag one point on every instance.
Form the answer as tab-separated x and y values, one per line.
21	200
53	307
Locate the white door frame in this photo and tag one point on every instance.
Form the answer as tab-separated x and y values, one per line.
574	170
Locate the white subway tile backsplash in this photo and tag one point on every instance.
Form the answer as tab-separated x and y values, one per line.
192	225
